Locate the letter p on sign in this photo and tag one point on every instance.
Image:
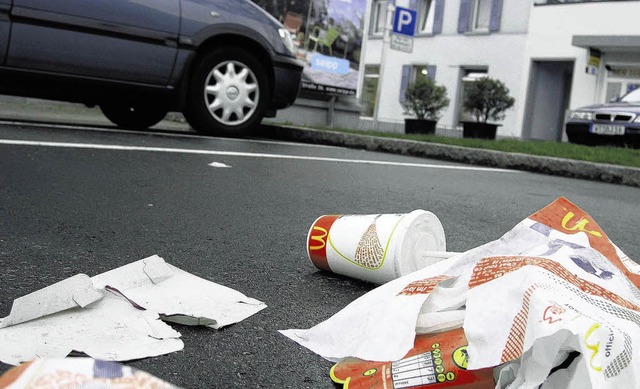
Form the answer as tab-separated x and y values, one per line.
404	21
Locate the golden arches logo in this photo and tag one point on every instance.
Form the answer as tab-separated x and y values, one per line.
580	225
595	348
321	239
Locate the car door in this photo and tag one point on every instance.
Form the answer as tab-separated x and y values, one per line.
126	40
5	26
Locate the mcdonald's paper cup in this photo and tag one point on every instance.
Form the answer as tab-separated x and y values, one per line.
375	248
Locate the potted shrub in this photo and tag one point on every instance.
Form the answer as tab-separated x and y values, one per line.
486	99
424	100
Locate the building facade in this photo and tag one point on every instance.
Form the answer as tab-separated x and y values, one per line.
553	56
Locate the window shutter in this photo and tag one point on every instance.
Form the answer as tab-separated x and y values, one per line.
437	17
404	82
431	72
464	16
496	15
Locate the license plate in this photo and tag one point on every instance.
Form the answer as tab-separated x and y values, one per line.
608	129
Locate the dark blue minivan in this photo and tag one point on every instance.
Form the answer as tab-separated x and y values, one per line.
225	64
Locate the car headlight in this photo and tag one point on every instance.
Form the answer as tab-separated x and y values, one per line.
582	115
287	40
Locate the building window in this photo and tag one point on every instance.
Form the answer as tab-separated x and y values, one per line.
419	72
621	79
613	91
378	17
551	2
370	89
469	76
481	15
413	73
426	15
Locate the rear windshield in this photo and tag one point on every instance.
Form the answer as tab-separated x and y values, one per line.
633	96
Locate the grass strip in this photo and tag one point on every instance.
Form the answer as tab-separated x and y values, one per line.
622	156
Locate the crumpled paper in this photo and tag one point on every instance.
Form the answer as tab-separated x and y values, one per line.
178	296
552	287
117	315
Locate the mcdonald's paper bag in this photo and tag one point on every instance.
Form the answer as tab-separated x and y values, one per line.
551	287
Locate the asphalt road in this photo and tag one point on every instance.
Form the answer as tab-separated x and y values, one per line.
72	205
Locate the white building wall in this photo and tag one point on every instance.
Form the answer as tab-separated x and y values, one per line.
502	53
527	33
515	17
551	31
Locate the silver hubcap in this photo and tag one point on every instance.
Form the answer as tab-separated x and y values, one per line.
231	93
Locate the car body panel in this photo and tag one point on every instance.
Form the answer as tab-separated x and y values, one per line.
203	19
615	123
225	22
288	80
612	107
96	39
5	27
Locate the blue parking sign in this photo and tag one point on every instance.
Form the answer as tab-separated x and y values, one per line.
404	21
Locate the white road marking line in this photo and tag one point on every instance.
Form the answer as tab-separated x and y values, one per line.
243	154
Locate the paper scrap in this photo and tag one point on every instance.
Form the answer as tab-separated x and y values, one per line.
218	164
112	329
116	315
179	296
76	291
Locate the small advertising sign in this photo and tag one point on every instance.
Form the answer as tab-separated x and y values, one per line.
328	38
593	61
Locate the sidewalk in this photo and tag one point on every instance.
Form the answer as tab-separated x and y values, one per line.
33	110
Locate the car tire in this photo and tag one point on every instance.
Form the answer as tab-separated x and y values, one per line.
133	116
228	93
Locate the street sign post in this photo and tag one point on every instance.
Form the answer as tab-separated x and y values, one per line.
404	28
404	21
398	32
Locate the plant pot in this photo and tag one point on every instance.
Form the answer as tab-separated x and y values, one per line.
479	130
419	126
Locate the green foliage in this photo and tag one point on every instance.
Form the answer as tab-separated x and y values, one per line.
424	99
487	98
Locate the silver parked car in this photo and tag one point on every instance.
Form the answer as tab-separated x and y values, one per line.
614	123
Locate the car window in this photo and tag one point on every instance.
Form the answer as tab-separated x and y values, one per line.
633	96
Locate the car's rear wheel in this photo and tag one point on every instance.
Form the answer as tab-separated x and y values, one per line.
228	93
133	116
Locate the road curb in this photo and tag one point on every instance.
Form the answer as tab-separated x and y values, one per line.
545	165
